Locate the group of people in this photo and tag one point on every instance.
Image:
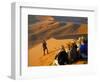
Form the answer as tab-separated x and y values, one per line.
76	50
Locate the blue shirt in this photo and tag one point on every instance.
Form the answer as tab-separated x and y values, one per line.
83	49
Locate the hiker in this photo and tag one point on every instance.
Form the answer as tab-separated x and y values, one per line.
45	48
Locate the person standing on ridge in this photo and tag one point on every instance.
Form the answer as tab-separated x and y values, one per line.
45	48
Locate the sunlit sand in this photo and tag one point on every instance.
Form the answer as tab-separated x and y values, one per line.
36	57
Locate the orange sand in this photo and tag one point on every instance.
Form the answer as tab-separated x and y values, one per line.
36	57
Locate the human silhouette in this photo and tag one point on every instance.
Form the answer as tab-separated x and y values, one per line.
45	48
62	57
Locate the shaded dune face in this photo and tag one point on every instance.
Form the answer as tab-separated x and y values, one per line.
72	31
47	27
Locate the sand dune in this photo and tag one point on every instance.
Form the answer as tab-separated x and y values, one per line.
53	29
36	57
39	25
35	54
83	29
45	32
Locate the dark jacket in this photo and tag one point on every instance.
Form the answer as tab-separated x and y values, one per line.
62	58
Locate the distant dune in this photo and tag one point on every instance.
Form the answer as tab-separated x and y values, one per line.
47	29
41	30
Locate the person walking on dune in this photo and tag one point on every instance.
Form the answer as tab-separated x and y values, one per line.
45	48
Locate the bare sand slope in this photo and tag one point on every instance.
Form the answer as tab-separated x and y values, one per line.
36	57
35	54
